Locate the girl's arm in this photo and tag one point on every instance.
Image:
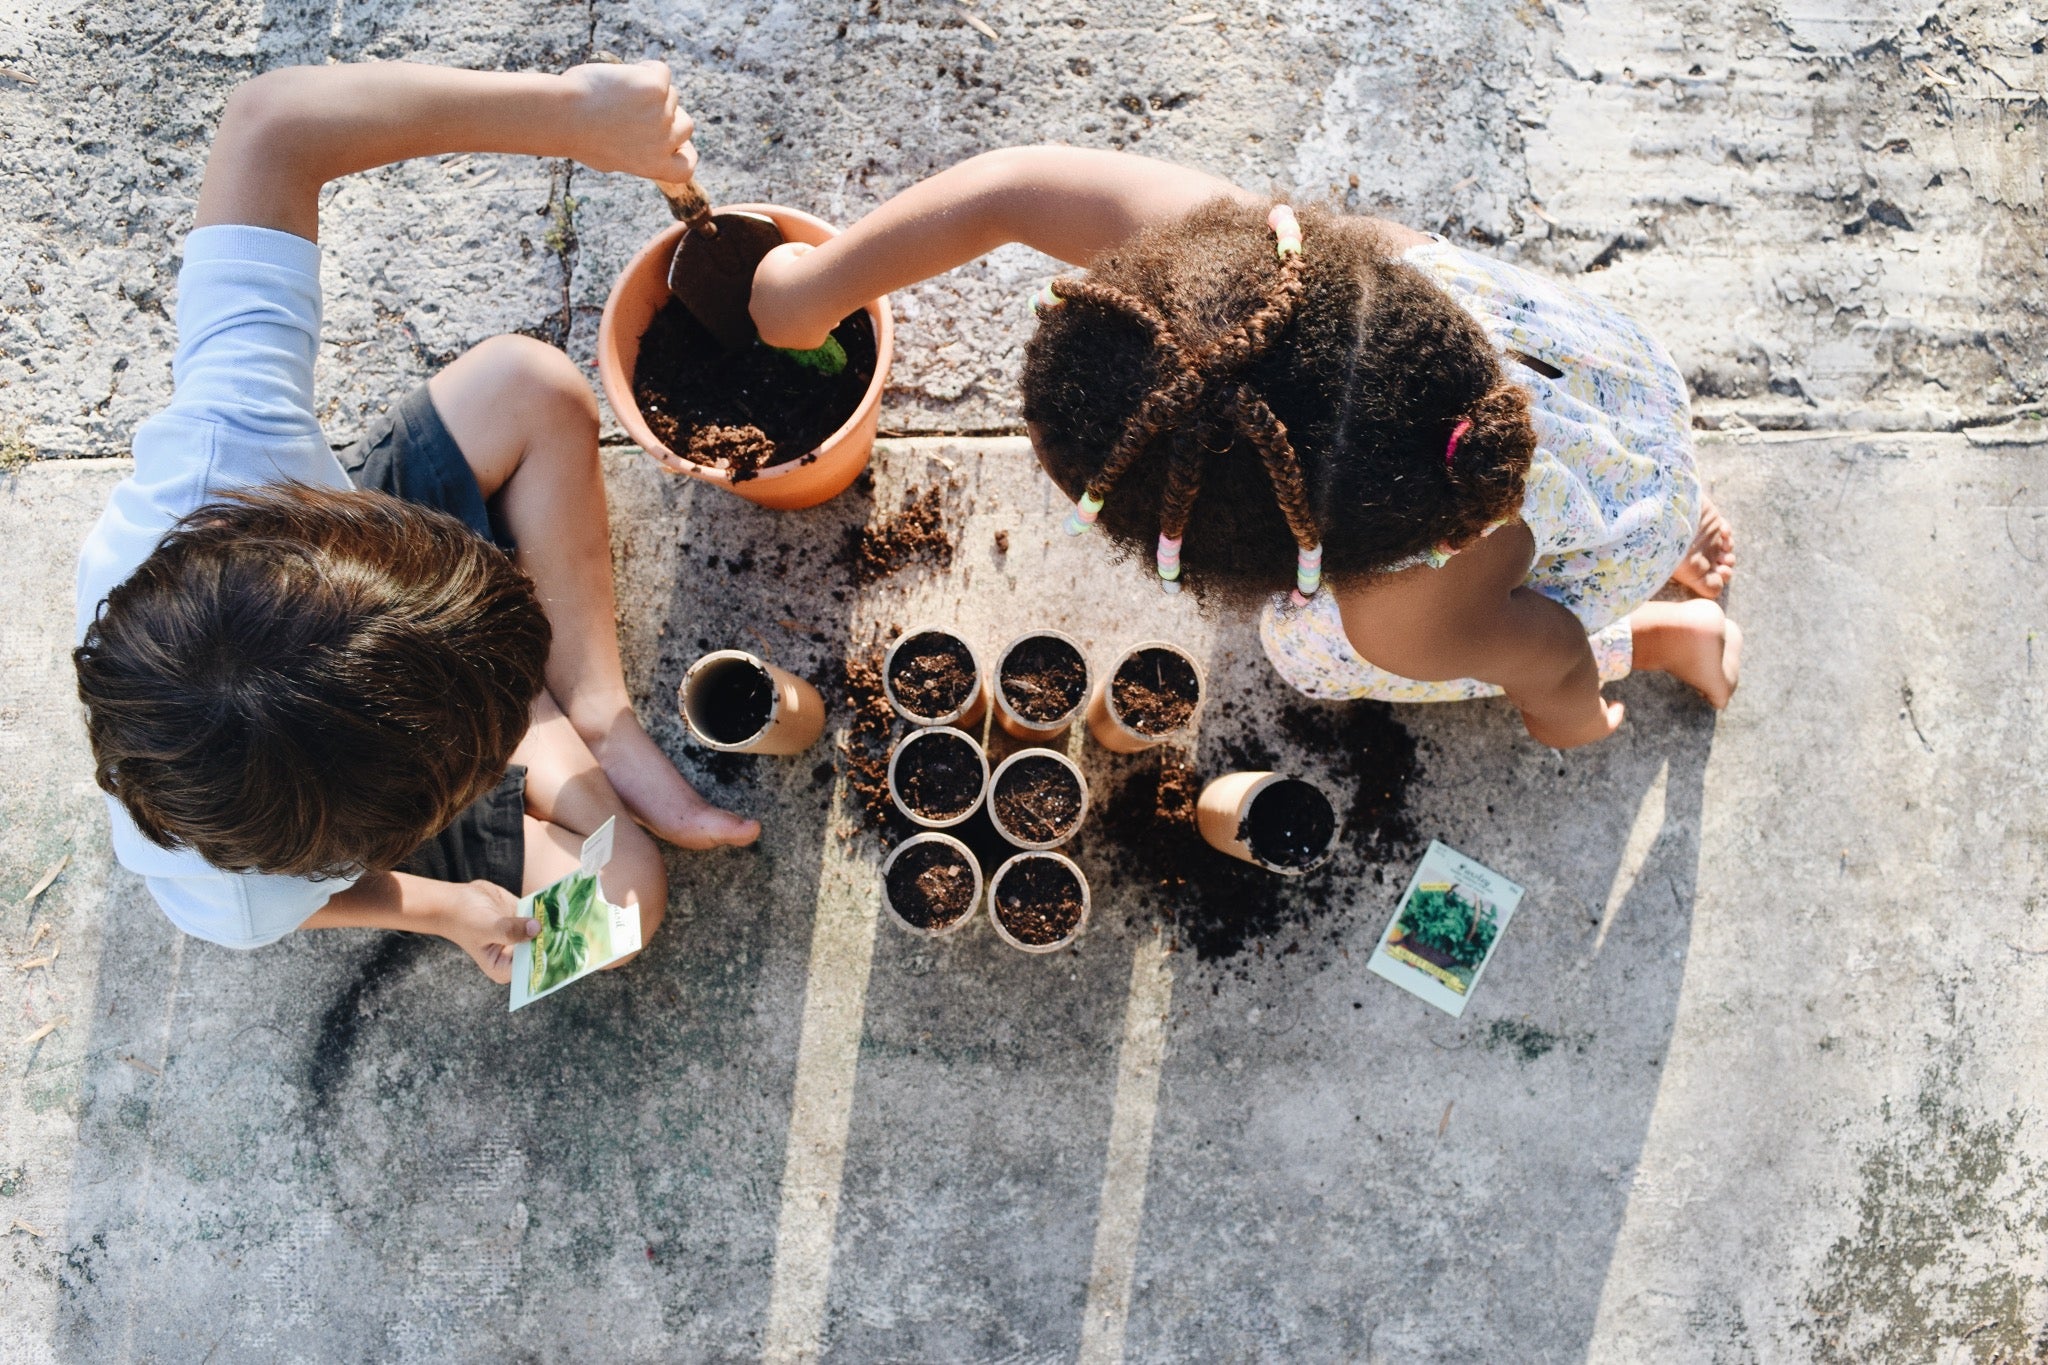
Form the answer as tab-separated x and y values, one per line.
480	918
1065	201
1473	618
290	131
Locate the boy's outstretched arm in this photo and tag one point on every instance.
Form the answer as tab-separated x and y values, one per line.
290	131
1068	202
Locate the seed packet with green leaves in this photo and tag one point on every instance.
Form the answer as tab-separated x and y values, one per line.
580	931
1445	928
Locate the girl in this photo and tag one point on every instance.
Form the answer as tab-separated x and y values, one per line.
1472	478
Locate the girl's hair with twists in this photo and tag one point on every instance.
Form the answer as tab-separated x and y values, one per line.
1198	385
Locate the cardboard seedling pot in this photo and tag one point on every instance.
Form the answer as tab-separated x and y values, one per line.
1223	813
926	839
1106	723
995	885
947	819
639	293
721	699
968	714
1035	731
995	785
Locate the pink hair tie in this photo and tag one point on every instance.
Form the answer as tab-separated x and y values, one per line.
1451	447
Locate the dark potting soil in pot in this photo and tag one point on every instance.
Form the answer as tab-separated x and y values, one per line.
939	775
931	885
1044	678
1155	691
744	410
733	701
1038	799
1039	900
1289	824
932	674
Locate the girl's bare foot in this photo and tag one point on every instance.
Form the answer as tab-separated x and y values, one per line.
658	796
1710	560
1694	642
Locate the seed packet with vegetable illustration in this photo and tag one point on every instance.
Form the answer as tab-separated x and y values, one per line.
1445	928
580	931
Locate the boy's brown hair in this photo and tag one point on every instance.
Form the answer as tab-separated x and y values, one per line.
310	681
1257	405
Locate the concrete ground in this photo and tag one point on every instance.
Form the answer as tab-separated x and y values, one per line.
1755	1074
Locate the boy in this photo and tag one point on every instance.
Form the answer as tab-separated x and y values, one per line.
325	699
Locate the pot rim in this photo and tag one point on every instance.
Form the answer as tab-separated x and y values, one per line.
1080	818
1244	813
933	836
721	656
895	795
1109	691
1043	727
889	690
995	918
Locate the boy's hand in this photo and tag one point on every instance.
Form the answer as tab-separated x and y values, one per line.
629	119
779	301
482	919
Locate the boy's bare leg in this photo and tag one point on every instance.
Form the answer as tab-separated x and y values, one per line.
567	798
1710	560
1694	642
526	422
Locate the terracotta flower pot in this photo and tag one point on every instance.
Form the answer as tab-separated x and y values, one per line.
1106	719
904	779
930	839
1291	834
739	704
639	293
995	902
967	714
1019	831
1037	729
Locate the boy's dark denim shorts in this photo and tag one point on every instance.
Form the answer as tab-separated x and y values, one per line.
409	454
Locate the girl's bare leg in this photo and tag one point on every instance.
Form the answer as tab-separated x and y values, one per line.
1694	642
526	422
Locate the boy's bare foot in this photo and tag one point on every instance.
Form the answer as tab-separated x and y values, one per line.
1710	560
659	797
1694	642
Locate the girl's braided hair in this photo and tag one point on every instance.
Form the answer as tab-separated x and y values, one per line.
1258	405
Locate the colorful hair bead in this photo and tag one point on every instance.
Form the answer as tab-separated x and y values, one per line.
1439	556
1045	299
1083	516
1308	573
1169	563
1286	230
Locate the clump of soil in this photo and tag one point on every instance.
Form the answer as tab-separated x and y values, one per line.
915	535
932	674
1039	901
1044	679
1002	542
732	700
1290	824
939	775
1155	691
865	749
931	885
1038	799
744	410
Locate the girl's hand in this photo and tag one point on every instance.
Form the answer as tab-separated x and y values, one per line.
629	119
780	303
482	920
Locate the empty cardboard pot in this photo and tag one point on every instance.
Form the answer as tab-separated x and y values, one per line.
1019	837
1225	815
739	704
967	714
639	293
1037	730
1106	721
928	839
995	911
974	775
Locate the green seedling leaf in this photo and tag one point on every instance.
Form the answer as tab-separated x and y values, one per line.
827	360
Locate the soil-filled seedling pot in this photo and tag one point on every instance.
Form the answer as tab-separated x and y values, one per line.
1041	685
641	291
937	776
932	884
1038	902
1037	798
1148	696
1281	823
743	705
931	677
